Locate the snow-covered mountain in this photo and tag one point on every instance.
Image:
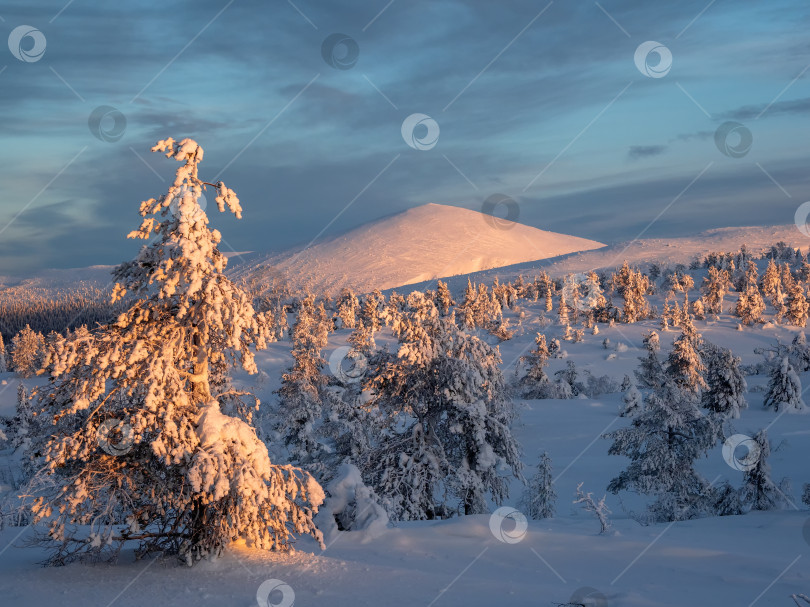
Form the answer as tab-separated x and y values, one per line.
426	242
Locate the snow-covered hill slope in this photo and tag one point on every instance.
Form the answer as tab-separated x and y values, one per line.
666	252
426	242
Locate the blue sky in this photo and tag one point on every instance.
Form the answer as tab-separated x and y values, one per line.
539	101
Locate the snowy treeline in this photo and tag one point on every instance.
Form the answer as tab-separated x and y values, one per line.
60	310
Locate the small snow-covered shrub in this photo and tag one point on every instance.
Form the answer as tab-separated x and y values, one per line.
351	506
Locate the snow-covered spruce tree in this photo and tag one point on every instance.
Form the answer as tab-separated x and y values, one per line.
185	478
663	442
715	286
348	307
632	286
800	353
535	384
3	366
650	373
750	305
448	420
758	491
685	365
23	418
797	306
569	377
726	385
562	310
467	309
444	299
806	494
371	311
771	282
632	401
540	499
300	395
784	388
26	352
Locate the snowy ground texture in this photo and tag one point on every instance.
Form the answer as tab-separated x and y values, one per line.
758	559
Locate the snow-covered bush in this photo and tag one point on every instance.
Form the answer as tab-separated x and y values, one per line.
137	448
351	506
599	509
727	501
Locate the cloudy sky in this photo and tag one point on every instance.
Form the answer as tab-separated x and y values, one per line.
559	106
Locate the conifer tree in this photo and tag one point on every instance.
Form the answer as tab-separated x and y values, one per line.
797	306
715	287
372	310
301	404
685	365
444	401
444	299
632	401
27	349
758	491
750	306
650	373
726	385
535	384
562	311
137	448
23	419
469	306
663	443
784	388
347	308
540	497
771	283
